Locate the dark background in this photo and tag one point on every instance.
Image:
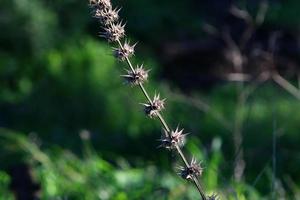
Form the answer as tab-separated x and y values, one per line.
72	130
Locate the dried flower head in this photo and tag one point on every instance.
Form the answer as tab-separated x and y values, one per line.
107	16
153	109
213	197
193	170
100	4
176	138
139	76
114	32
125	52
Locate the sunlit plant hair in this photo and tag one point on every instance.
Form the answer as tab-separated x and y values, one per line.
173	140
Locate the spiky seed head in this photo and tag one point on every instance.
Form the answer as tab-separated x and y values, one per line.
165	142
158	103
170	141
93	3
213	197
139	76
107	16
193	170
178	138
153	109
113	32
100	4
125	52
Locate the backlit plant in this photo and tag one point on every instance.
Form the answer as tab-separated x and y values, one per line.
173	140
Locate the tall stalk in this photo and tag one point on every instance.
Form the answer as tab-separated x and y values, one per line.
173	140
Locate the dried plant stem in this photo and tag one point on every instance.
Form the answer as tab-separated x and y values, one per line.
172	139
140	84
166	127
199	187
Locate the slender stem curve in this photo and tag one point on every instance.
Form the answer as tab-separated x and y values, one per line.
166	126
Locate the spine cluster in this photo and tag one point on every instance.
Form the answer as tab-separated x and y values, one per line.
173	140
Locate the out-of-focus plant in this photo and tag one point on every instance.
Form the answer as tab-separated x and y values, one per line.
65	175
5	194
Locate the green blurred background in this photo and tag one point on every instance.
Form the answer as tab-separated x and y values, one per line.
70	128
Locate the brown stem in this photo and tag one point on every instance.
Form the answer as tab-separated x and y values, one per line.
165	125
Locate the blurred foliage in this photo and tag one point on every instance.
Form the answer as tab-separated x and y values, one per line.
57	78
4	189
64	175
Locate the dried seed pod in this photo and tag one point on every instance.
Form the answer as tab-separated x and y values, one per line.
176	138
192	171
125	52
139	76
107	16
113	32
153	109
100	4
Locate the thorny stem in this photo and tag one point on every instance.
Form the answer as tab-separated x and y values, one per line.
145	93
182	156
199	187
165	125
132	69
